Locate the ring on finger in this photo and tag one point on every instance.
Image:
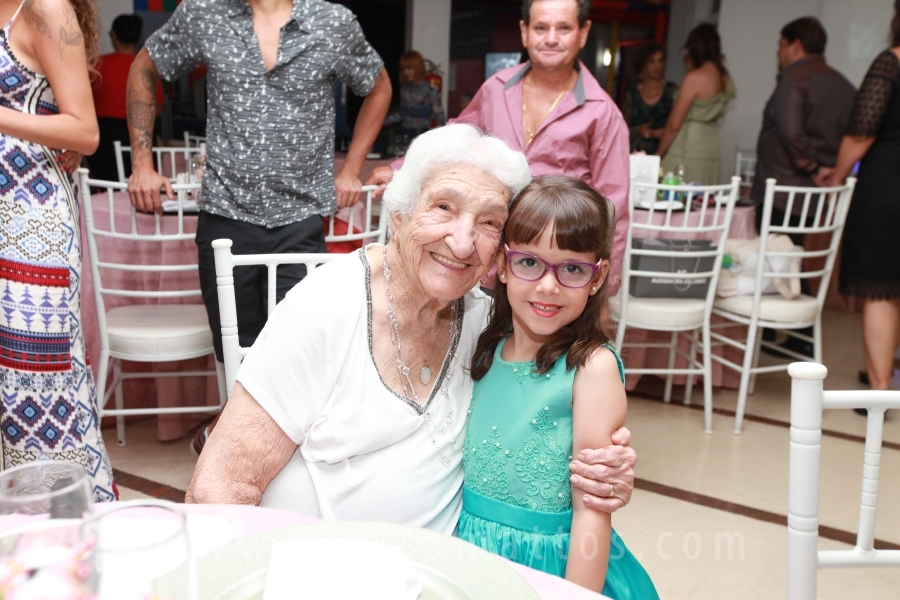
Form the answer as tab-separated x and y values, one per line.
612	490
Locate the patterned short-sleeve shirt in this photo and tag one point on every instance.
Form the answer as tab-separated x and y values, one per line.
270	134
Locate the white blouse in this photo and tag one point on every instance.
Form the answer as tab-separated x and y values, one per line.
364	452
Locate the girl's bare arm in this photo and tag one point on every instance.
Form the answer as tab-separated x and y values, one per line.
598	409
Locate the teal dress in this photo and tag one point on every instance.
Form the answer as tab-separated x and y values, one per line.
516	495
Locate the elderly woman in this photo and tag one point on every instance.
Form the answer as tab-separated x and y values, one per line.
352	403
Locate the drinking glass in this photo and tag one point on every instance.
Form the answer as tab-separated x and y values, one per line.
47	489
41	507
132	544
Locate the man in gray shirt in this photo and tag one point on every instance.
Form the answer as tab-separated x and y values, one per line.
270	127
269	171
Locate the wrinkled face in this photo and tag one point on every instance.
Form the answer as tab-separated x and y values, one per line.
655	66
553	37
450	241
543	307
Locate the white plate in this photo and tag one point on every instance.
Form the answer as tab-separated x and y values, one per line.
662	205
449	568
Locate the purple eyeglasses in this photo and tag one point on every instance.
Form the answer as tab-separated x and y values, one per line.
529	267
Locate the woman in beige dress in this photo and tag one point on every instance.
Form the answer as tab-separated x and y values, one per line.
690	143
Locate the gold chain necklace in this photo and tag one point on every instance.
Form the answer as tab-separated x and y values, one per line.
529	132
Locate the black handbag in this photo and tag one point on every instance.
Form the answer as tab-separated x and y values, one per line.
670	287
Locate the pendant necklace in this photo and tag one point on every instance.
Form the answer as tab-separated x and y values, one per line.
446	427
425	373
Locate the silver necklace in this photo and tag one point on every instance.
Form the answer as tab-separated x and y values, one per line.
446	427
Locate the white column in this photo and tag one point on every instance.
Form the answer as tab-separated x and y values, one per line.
428	32
109	10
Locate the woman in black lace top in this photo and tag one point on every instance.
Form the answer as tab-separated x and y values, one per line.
870	268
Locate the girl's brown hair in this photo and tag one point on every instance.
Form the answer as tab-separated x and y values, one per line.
582	221
86	11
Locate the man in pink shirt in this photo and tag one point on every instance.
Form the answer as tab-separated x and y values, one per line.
554	110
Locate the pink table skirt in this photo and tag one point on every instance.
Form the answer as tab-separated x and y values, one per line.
250	520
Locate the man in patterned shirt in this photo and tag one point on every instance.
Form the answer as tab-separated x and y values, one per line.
269	173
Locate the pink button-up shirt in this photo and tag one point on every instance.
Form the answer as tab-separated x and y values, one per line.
585	136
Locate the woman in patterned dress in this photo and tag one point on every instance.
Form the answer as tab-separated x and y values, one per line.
49	406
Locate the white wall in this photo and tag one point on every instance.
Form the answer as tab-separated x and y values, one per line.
857	32
109	10
684	15
428	32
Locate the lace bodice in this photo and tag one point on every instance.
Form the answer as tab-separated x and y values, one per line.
874	97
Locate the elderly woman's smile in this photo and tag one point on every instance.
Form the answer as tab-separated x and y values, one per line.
451	239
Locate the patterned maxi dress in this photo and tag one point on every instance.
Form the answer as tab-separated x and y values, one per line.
48	408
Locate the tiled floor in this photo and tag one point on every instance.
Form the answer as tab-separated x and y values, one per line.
707	519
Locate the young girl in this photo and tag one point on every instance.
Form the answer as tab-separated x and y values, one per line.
547	382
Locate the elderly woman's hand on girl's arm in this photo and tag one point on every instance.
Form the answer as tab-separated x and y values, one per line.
606	474
243	454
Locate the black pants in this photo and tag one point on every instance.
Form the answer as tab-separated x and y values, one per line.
102	163
251	282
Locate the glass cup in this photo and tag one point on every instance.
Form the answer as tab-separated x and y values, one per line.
42	505
132	544
51	489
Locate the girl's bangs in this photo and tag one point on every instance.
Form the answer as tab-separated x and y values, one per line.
572	216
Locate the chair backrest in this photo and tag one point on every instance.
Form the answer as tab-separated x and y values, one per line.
109	239
745	166
706	215
808	400
366	216
193	141
821	211
169	161
225	262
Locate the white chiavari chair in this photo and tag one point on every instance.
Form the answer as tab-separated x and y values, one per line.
708	219
808	400
149	331
169	161
822	211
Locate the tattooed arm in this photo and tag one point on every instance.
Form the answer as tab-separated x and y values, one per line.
144	183
47	39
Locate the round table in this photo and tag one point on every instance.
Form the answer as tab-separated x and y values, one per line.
251	520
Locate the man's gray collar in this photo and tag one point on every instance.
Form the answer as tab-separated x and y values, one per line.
578	92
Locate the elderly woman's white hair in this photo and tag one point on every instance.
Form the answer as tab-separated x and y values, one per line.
456	144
